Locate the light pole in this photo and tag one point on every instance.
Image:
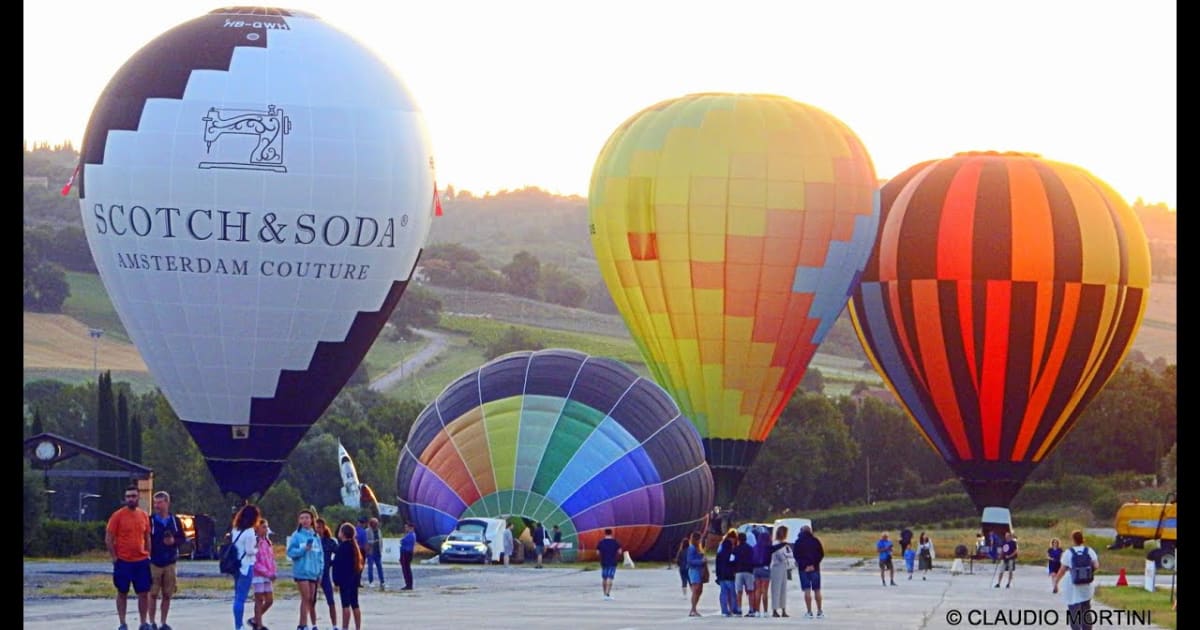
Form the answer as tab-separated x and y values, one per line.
82	497
95	334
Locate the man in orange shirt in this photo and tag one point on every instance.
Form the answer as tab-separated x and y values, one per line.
128	539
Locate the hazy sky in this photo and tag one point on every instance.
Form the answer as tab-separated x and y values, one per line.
526	92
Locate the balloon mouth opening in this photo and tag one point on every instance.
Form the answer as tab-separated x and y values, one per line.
1026	154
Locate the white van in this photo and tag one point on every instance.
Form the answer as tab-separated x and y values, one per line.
793	526
474	540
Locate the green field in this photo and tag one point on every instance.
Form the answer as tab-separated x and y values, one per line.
483	331
89	304
386	354
1136	598
458	359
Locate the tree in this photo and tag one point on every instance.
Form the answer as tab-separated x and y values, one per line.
45	287
804	464
280	504
559	287
178	465
523	274
124	430
33	503
108	436
1168	468
813	381
513	340
313	470
420	308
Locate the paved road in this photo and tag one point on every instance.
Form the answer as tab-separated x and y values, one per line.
437	344
569	597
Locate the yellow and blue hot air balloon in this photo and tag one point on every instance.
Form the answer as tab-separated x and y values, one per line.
1003	293
730	230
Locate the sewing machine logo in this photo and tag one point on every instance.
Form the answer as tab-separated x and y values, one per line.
266	130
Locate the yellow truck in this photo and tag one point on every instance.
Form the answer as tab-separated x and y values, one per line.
1140	521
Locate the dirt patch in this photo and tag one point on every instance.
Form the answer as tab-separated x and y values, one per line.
54	341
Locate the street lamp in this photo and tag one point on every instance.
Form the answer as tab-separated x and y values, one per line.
82	497
95	334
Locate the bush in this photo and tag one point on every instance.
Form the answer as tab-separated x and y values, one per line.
63	539
1105	505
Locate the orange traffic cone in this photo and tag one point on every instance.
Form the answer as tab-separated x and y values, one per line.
1121	581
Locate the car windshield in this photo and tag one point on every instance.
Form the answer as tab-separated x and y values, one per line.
465	537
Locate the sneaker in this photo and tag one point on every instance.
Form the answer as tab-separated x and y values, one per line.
405	588
883	582
997	585
751	614
774	613
820	614
122	627
893	582
808	615
145	626
166	627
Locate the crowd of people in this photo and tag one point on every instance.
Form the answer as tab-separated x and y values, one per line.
752	567
145	548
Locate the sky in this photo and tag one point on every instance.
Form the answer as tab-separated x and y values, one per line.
526	92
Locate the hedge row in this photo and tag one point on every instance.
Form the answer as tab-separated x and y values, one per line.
60	539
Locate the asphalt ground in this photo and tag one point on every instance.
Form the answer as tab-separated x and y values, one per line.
569	596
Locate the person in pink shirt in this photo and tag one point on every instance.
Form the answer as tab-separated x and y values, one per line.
264	574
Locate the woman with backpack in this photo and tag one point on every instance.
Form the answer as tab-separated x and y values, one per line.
781	560
264	574
245	545
347	572
308	560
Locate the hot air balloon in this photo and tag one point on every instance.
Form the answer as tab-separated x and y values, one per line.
1004	292
730	229
256	187
559	437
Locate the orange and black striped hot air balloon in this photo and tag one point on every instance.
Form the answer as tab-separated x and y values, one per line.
1003	292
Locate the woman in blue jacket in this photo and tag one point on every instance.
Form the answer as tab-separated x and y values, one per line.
308	562
696	563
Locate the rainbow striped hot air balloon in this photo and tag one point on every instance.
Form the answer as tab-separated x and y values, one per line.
559	437
1003	293
730	229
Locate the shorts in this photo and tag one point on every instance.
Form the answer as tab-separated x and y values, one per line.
810	580
762	573
136	573
885	564
1054	566
608	573
262	584
744	581
540	549
349	595
694	576
1010	564
162	580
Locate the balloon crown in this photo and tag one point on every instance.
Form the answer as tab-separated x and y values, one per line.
1000	153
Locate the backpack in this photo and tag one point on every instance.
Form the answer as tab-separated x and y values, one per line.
231	561
1081	566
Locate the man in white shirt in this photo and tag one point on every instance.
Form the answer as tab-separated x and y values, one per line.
1077	596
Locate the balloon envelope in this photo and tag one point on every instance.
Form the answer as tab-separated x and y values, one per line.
730	229
559	437
1002	295
256	188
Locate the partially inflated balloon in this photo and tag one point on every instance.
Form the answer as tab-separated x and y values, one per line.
1003	293
562	438
256	187
730	229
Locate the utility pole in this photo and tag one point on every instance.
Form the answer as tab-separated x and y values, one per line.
95	334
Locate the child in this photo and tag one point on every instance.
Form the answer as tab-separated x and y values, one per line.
910	556
264	574
347	571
